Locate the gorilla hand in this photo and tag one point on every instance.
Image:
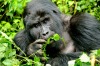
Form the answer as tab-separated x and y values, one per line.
36	47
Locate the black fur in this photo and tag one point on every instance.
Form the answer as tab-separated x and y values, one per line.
85	31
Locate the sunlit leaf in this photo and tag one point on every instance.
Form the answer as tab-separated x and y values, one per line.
48	65
56	37
71	63
36	59
7	62
38	64
84	58
12	53
71	3
2	54
3	47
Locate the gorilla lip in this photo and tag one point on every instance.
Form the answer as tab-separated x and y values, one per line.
46	38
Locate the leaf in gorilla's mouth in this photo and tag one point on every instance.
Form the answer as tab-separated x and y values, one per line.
55	37
51	39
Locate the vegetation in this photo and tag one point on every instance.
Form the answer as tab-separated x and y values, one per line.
73	6
11	21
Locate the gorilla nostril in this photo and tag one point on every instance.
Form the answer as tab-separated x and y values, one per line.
47	33
43	34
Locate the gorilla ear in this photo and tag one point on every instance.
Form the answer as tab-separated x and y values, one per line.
65	21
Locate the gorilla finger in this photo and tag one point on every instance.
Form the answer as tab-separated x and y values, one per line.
39	41
40	52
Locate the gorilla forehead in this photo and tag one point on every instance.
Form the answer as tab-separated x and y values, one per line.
35	6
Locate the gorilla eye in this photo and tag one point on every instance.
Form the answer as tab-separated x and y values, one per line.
36	25
45	20
28	13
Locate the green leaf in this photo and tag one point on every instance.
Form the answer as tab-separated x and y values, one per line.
84	58
71	63
48	65
7	62
9	14
78	63
11	62
36	59
12	53
71	3
56	37
1	55
16	20
3	47
7	25
78	8
86	64
5	35
98	52
38	64
48	41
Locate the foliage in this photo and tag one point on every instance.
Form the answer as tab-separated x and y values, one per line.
11	21
73	6
85	60
55	37
7	54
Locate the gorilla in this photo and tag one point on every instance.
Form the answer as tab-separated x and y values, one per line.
42	19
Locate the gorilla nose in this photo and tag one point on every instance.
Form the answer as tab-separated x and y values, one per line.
45	33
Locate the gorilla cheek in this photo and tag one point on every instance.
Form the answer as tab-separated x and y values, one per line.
35	33
55	28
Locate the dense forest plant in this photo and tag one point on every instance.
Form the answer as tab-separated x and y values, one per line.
11	21
73	6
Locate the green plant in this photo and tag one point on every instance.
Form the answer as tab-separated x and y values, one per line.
71	7
85	60
11	21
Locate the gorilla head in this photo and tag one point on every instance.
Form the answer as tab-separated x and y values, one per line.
42	22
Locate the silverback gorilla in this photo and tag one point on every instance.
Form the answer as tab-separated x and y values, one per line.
42	19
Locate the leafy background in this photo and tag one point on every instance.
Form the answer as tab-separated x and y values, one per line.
11	21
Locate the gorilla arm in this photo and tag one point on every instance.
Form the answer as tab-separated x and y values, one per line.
69	44
22	41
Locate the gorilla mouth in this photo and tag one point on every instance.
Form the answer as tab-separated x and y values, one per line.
48	36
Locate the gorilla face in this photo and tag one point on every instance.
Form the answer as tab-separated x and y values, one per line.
42	24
